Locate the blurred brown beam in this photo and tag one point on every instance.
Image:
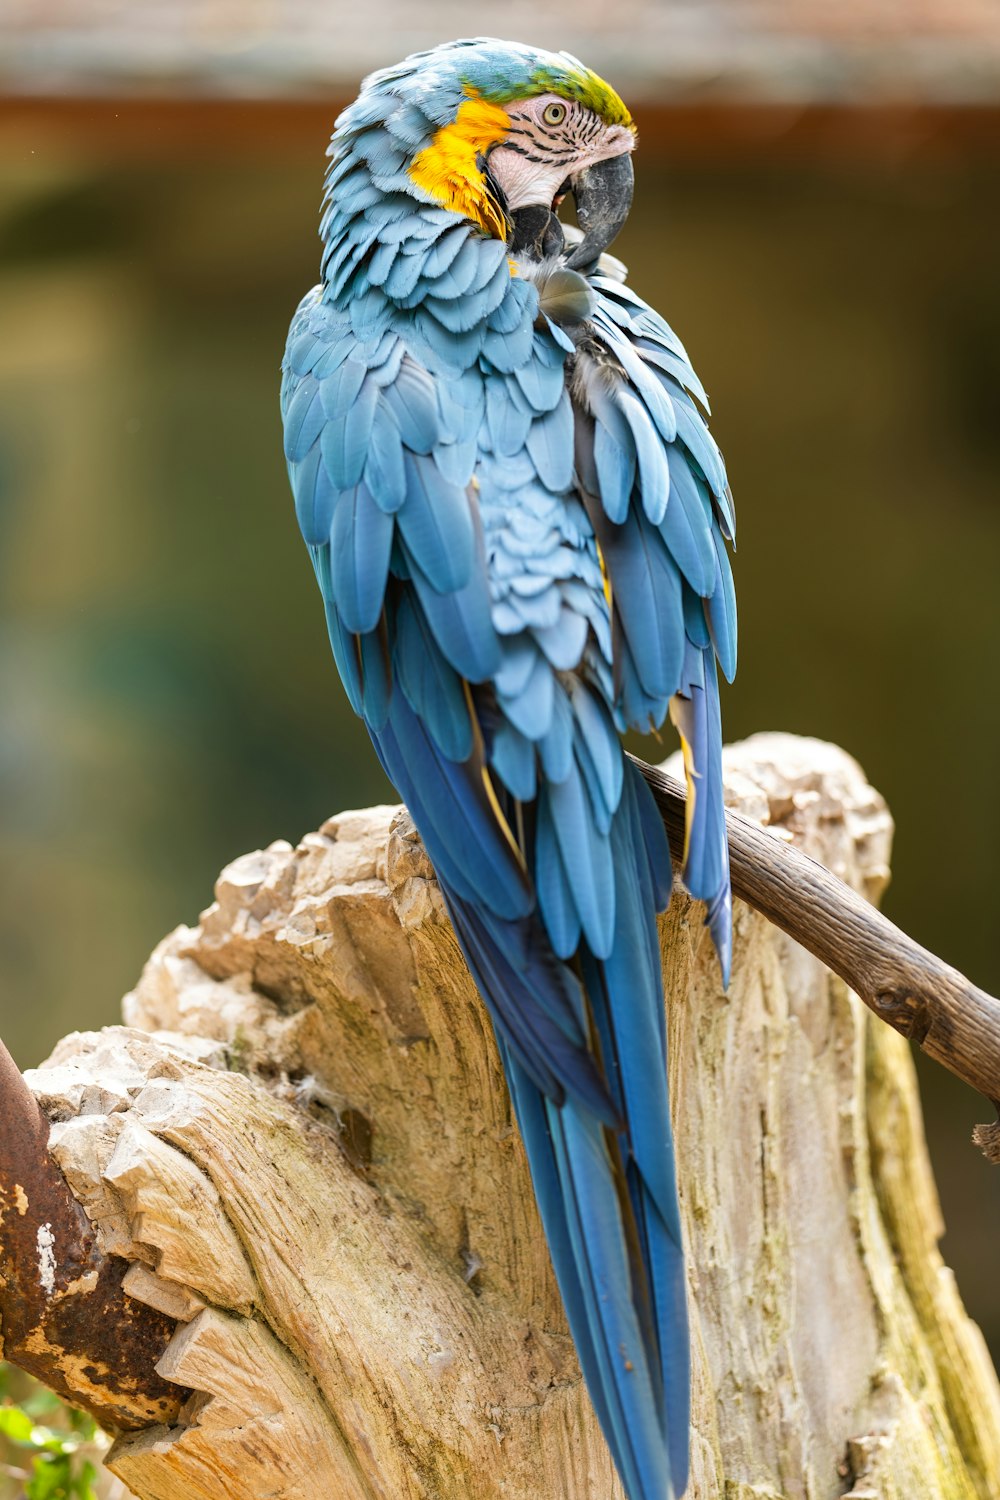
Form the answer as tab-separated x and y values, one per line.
694	131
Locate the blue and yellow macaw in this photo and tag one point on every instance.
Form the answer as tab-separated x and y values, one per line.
518	520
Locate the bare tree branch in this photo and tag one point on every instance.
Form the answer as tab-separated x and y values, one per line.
923	998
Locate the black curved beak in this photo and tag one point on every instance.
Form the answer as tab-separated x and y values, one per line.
537	233
603	196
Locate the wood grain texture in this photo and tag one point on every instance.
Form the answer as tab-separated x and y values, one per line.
302	1146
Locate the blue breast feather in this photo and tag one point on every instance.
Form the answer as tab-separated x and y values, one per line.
519	557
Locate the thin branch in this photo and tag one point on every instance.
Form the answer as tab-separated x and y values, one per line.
925	999
63	1314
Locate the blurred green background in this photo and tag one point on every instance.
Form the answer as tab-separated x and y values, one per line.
168	697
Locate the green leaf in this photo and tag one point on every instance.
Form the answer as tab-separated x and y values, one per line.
16	1425
50	1479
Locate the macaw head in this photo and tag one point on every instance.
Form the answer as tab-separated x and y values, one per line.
501	133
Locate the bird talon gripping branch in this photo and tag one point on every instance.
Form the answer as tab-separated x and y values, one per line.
518	521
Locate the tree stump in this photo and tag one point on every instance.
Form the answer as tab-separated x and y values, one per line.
302	1144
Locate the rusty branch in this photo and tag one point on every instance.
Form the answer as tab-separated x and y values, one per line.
63	1314
923	998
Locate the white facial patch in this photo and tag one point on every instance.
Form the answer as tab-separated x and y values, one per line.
551	139
524	181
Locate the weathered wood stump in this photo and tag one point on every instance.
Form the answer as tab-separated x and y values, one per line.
302	1144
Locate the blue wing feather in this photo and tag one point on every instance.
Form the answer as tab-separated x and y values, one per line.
360	547
384	472
304	420
615	461
512	756
646	589
687	529
436	526
721	611
454	815
412	402
586	857
654	472
314	495
550	445
555	748
462	625
345	439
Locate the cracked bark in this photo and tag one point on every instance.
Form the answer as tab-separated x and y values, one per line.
66	1317
301	1147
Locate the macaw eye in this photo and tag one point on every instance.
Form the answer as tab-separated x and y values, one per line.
554	114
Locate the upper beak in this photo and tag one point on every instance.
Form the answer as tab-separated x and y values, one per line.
603	196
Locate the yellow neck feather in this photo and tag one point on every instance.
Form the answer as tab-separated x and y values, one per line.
447	167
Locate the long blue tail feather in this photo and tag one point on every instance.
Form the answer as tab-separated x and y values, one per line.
585	1048
696	714
526	1010
603	1175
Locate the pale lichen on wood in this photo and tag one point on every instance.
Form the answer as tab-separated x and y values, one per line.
303	1144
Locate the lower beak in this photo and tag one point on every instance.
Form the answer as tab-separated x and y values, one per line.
537	233
603	196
